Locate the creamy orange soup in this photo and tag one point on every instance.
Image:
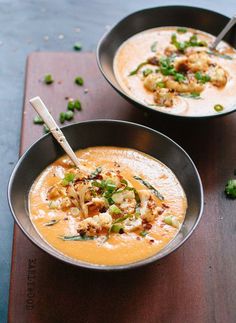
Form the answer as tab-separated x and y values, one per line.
123	207
173	69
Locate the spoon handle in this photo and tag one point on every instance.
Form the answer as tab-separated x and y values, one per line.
221	35
42	110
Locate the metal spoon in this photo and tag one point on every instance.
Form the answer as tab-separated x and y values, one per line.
42	110
221	35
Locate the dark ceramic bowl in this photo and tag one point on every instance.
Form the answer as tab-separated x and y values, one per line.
198	18
98	133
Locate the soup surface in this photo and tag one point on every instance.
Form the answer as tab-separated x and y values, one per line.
123	206
173	69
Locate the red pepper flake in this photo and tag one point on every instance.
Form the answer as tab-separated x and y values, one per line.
147	226
165	206
151	241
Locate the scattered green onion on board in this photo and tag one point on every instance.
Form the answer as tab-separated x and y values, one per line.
48	79
230	188
45	128
69	115
62	117
79	81
38	120
77	46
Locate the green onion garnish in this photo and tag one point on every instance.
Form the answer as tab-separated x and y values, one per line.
154	46
77	46
38	120
202	78
181	30
68	178
149	186
69	115
50	223
143	233
193	95
138	68
48	79
76	238
79	80
220	55
46	129
147	71
161	84
62	117
218	107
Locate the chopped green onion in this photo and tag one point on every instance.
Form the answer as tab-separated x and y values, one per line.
161	84
68	178
154	46
179	77
48	79
192	42
138	68
147	71
50	223
202	78
181	30
69	115
46	129
77	46
76	238
152	188
116	228
62	117
77	105
143	233
218	107
71	105
220	55
110	186
122	219
38	120
230	188
171	220
79	80
193	95
94	174
114	209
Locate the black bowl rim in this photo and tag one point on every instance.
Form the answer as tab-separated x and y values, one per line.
56	254
131	99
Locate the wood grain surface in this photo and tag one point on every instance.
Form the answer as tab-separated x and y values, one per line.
197	283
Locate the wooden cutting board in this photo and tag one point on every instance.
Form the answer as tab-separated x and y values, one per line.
197	283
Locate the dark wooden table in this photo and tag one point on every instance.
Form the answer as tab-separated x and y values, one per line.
35	26
195	284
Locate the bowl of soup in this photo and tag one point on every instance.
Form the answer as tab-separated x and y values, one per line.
135	199
161	59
